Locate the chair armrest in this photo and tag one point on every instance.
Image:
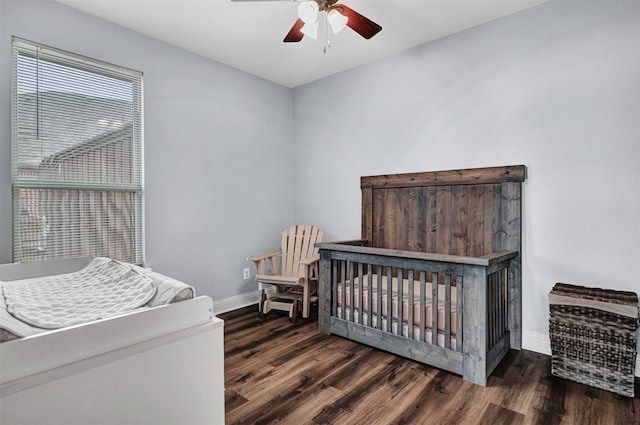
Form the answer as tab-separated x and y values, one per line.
310	260
259	262
310	266
261	257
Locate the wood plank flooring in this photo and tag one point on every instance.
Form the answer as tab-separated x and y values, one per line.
277	372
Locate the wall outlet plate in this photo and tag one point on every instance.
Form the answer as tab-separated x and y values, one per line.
246	273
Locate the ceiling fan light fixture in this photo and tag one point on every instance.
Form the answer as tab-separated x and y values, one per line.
337	20
308	11
310	29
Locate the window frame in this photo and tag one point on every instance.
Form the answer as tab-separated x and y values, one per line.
135	187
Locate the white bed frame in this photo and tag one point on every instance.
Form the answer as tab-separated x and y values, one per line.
160	365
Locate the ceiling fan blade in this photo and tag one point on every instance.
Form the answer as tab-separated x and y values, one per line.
363	26
295	34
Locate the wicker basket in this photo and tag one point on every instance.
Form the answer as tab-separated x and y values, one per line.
593	336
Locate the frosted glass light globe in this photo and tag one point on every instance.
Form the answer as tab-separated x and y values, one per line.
308	11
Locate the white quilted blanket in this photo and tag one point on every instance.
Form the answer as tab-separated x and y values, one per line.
104	288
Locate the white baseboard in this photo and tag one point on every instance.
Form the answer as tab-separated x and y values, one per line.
532	341
238	301
540	343
235	302
537	342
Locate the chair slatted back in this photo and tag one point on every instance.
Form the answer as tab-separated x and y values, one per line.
298	243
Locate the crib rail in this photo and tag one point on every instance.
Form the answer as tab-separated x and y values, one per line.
471	319
360	294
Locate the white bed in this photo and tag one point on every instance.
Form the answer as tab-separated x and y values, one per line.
154	365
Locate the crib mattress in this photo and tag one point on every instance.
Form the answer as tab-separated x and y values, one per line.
118	288
402	330
361	298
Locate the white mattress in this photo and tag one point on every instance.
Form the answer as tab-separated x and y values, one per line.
104	288
361	299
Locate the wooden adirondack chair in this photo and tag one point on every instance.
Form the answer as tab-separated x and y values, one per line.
296	277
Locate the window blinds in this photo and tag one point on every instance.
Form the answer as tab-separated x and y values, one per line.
76	156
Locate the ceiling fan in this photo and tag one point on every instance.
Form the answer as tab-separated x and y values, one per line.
338	16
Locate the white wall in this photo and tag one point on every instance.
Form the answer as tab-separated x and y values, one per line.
218	147
556	88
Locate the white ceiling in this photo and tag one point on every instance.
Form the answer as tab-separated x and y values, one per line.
248	35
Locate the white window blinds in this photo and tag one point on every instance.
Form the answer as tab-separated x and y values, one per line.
76	156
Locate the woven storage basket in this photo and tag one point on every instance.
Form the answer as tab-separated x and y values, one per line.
593	336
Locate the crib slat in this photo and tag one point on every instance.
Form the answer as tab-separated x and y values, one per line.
490	309
447	311
494	312
360	293
423	309
343	271
369	296
503	307
506	300
498	332
351	305
334	288
498	303
410	306
493	309
389	300
499	295
434	309
379	298
459	318
498	312
505	297
399	321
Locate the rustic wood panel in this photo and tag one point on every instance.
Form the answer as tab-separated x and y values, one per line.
430	214
466	220
491	218
511	173
443	220
459	244
367	210
475	220
276	372
418	230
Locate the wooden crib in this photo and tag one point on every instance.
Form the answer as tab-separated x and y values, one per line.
436	276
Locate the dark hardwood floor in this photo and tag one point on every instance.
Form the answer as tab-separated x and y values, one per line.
277	372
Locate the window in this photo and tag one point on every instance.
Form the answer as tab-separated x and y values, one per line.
76	156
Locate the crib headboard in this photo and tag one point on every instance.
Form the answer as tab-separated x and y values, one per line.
470	212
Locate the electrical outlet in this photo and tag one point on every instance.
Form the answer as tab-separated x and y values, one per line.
246	273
